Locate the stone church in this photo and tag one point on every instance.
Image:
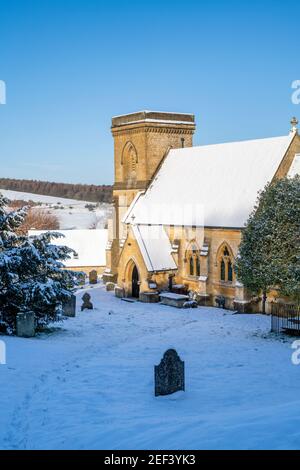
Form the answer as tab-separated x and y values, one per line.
180	210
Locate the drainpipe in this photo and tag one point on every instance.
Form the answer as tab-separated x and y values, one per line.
264	301
171	276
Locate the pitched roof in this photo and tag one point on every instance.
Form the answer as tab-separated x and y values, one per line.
155	247
212	186
89	245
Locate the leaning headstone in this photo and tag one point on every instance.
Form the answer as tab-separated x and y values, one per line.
169	374
93	277
87	304
25	324
69	307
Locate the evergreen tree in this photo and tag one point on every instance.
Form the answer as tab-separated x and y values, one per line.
31	274
269	255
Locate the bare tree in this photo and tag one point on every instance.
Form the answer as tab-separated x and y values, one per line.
39	219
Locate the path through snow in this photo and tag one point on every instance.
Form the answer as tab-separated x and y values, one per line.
89	383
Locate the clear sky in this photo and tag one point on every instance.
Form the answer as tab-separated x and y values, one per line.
70	65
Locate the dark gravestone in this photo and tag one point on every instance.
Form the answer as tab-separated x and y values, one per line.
87	304
25	324
93	277
169	374
221	301
70	307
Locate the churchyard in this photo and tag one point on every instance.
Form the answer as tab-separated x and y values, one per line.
88	383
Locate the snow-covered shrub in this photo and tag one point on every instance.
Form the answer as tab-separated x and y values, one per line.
31	274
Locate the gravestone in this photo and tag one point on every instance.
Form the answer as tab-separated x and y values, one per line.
81	278
149	297
173	300
110	286
221	301
25	324
87	304
169	374
69	307
93	277
119	292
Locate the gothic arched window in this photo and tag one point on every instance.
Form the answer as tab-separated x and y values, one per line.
193	258
191	266
230	272
129	161
225	263
198	268
223	270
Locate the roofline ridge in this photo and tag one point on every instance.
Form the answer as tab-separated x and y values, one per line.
288	137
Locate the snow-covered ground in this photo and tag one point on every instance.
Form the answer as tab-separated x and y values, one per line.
88	384
72	214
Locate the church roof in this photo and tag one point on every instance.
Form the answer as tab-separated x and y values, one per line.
155	247
212	186
89	246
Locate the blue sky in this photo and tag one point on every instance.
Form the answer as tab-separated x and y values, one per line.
70	65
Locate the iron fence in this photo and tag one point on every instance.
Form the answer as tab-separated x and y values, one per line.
285	318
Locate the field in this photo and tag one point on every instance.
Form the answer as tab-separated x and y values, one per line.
72	214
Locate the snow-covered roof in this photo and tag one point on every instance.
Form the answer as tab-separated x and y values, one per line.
155	247
129	214
214	185
89	245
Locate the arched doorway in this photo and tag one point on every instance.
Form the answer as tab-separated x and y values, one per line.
135	286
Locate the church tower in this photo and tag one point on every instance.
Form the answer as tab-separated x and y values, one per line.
141	141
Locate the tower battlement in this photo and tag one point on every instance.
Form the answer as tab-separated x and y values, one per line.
154	117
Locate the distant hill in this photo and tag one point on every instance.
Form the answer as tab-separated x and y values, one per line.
81	192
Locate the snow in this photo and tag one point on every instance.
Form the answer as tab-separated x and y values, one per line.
72	214
214	185
88	383
89	245
171	296
163	121
147	111
155	247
